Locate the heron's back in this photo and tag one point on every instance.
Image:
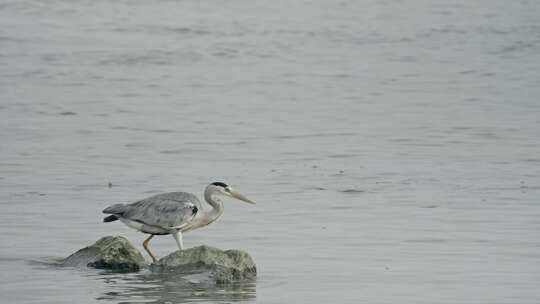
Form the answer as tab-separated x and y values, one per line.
166	210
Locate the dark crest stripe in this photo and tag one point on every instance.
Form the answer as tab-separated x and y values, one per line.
220	184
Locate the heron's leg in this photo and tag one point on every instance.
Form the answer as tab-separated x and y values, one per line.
177	234
145	245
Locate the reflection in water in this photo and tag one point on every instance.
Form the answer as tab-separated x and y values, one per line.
151	287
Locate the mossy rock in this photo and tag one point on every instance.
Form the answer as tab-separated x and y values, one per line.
111	252
221	266
198	264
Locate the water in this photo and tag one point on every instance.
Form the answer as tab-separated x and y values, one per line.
392	147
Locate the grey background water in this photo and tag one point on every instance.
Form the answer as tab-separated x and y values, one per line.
393	146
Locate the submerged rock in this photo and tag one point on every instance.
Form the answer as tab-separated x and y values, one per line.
111	252
209	264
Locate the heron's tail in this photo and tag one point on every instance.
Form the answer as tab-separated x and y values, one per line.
114	210
110	218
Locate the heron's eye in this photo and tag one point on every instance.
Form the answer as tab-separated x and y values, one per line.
227	189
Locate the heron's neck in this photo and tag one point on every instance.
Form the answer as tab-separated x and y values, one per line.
217	207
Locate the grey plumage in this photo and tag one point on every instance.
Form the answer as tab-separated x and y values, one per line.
172	213
165	210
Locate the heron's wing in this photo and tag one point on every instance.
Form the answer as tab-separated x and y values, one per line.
168	210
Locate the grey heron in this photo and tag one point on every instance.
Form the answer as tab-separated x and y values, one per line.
173	212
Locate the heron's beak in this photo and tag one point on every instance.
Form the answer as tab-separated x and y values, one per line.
241	197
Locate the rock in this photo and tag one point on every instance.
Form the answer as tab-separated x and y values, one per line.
198	265
111	252
209	263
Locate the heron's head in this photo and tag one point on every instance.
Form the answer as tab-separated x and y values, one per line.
223	189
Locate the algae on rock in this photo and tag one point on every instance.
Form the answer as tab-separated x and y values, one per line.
111	252
221	266
198	264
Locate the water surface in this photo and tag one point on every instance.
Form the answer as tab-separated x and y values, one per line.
392	147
